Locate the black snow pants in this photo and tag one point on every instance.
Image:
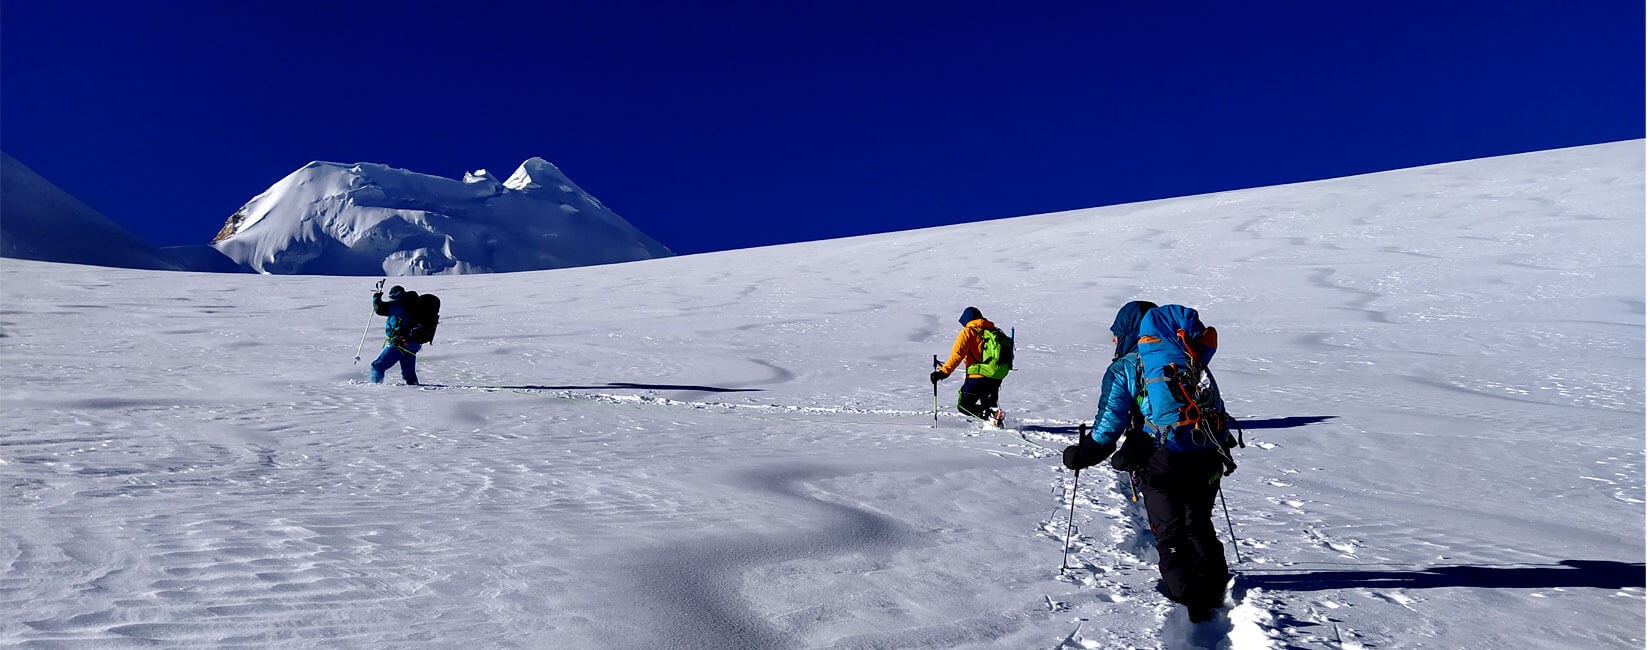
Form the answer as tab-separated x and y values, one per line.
978	396
1180	490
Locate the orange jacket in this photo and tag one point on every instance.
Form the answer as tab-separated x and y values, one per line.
966	351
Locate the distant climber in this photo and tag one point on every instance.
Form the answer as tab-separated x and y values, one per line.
986	354
399	347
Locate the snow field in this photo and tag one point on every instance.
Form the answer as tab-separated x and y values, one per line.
1441	370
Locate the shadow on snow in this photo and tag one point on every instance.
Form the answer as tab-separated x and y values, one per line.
1271	423
1058	428
615	384
1601	574
1284	423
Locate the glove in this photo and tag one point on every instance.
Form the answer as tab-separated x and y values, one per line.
936	376
1086	453
1136	453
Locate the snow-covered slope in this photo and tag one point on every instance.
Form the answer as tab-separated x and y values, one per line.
370	219
1441	371
39	221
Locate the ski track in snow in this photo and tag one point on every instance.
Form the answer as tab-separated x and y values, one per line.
739	450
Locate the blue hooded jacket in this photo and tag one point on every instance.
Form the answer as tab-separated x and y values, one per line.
393	305
1117	411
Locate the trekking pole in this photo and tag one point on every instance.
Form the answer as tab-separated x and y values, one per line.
363	342
936	394
1070	520
1229	529
366	329
1071	517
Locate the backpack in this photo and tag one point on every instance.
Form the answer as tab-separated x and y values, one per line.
996	354
423	314
1178	395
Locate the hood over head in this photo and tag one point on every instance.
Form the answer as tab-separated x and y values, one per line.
1127	326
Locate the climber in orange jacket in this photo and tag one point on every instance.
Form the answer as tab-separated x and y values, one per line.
978	340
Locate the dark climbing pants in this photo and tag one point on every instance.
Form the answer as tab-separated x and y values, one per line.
978	396
406	354
1180	491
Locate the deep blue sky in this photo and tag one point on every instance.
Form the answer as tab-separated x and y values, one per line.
725	124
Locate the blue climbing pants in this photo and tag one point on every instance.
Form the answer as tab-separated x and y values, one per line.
405	354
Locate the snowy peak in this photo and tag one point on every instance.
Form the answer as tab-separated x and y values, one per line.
479	176
538	173
372	219
538	176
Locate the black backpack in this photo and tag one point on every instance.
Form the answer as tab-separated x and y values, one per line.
424	314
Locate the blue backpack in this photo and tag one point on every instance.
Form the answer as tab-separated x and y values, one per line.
1179	399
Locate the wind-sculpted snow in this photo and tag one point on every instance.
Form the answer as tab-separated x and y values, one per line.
1440	372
